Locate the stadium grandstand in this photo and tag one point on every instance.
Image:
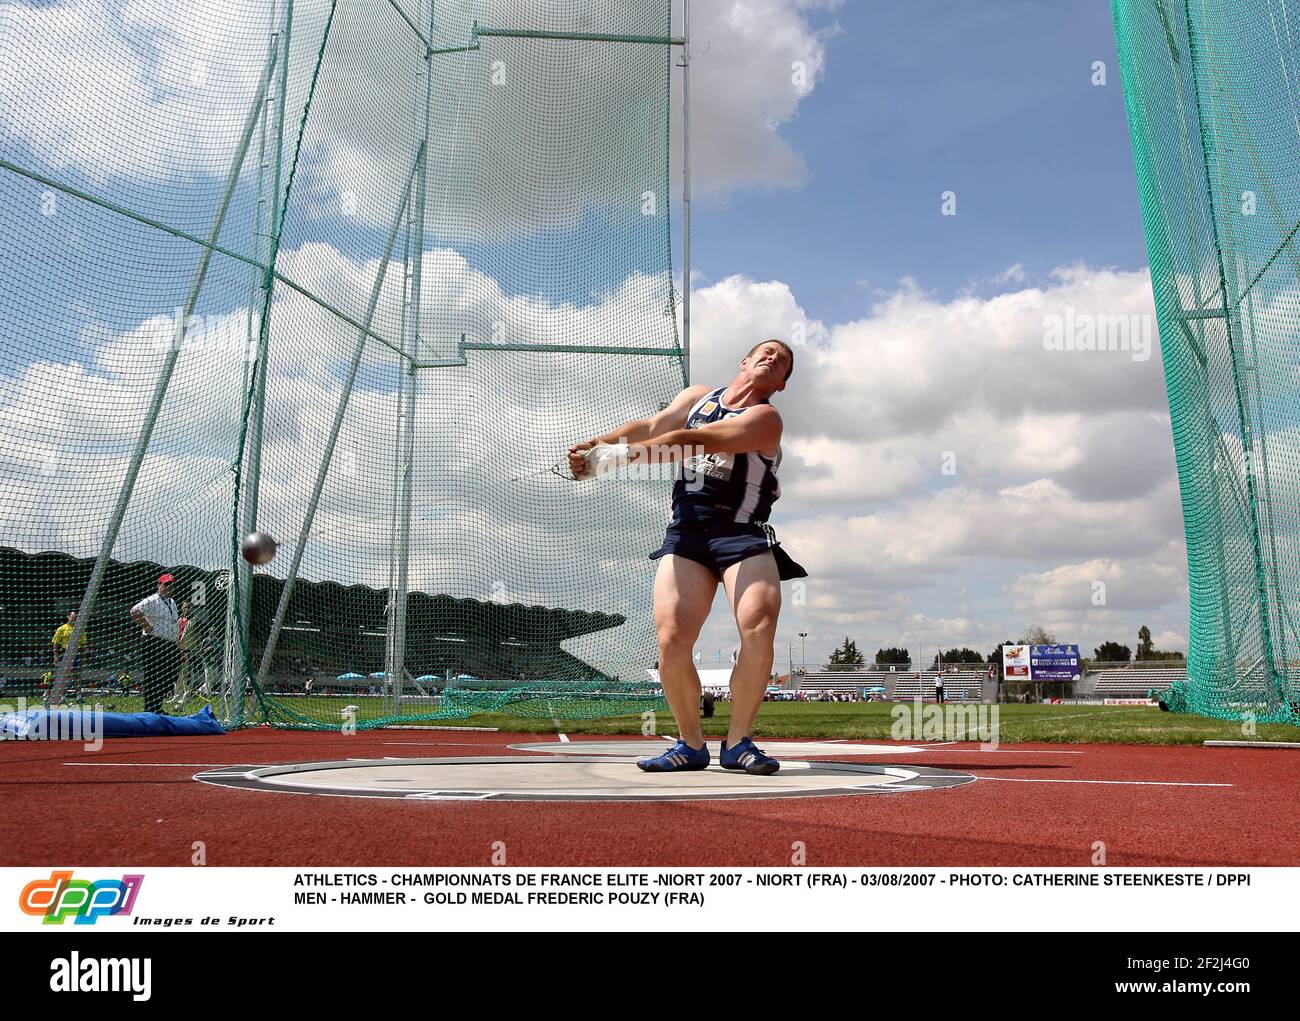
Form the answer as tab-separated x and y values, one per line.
1100	680
898	685
1128	680
465	640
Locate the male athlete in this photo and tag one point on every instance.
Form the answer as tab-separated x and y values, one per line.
729	441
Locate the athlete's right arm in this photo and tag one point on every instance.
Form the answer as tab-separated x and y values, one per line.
671	417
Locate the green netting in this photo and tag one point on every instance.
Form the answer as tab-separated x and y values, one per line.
1173	698
543	700
568	701
354	273
1213	96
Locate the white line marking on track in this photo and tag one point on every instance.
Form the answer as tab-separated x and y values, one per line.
1252	744
564	738
1006	751
158	763
448	744
1117	712
1138	783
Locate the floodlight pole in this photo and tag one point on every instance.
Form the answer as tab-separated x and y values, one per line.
397	670
686	191
159	394
340	411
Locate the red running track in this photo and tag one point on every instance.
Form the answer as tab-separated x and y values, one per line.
136	803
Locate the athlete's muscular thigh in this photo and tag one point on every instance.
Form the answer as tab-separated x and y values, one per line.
683	596
754	591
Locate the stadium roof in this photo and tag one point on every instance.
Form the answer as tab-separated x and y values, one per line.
58	580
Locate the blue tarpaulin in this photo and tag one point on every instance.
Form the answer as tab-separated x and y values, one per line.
81	724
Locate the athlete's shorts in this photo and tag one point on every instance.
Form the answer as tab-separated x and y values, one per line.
719	545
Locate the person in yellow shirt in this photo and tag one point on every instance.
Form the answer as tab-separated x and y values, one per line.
59	646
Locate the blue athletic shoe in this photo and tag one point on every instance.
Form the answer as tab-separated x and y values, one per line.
745	755
679	757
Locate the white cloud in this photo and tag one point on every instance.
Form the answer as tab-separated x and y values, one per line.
141	90
754	62
475	533
937	446
1104	583
947	474
132	95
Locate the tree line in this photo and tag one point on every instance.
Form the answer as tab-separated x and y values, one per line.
848	657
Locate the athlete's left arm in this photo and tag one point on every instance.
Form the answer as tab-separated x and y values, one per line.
758	429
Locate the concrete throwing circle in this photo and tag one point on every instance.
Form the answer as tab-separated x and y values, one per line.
640	748
572	778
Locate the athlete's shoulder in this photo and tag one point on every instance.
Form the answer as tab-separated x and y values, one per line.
677	412
688	398
764	411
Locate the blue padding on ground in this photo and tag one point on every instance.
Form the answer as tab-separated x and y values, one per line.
77	724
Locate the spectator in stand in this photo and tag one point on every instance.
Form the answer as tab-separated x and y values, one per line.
130	667
158	618
59	646
938	688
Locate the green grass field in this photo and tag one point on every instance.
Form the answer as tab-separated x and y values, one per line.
849	720
873	720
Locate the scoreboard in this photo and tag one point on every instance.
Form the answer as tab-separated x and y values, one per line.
1040	662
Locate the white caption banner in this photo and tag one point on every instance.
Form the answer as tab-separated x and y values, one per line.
418	899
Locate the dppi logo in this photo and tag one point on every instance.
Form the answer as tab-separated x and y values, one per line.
61	896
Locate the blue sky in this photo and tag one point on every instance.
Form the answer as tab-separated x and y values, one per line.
992	100
819	204
995	102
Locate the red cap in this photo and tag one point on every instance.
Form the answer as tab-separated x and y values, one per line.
165	577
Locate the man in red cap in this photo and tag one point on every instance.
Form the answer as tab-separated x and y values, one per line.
160	653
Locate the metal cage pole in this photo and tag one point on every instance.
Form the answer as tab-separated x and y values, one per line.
336	427
1209	159
405	387
234	665
252	474
686	191
160	391
398	671
399	411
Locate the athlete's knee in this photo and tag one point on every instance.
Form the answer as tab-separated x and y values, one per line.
757	649
676	638
757	629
